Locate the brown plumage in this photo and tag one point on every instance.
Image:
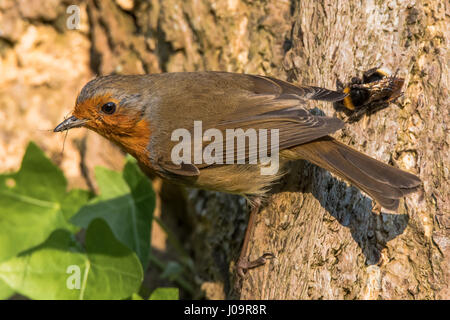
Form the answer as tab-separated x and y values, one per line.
150	107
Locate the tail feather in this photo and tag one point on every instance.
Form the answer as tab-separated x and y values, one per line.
384	183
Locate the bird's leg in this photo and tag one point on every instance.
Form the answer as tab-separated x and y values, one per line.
376	207
243	263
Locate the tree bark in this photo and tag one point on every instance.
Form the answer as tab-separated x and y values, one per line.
327	242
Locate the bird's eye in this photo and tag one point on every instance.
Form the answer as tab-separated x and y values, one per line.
109	108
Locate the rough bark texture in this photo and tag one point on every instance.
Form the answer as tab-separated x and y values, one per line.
328	244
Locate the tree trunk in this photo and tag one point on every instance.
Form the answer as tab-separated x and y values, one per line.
327	242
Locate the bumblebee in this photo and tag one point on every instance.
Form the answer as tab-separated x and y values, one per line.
371	93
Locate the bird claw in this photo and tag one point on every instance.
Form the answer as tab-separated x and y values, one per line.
244	264
376	208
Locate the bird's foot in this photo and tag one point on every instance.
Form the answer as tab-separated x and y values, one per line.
244	264
376	208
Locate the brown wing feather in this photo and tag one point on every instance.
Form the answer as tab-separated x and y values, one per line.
296	126
245	101
308	92
275	104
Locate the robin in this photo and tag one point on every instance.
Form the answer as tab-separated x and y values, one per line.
139	113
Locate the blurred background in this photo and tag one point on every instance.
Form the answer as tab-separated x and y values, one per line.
50	48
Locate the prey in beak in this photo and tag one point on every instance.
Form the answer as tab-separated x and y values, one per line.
69	123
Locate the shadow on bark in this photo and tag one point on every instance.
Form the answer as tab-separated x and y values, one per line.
371	231
212	231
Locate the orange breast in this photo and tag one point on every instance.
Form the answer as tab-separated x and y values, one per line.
125	128
135	140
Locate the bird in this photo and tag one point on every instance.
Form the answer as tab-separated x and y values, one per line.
139	113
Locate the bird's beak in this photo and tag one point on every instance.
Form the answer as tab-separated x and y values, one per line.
69	123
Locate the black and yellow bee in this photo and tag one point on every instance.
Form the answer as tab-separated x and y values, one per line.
373	92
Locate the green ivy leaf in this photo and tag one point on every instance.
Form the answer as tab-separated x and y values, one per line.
136	296
126	202
72	203
165	294
34	203
57	269
5	291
